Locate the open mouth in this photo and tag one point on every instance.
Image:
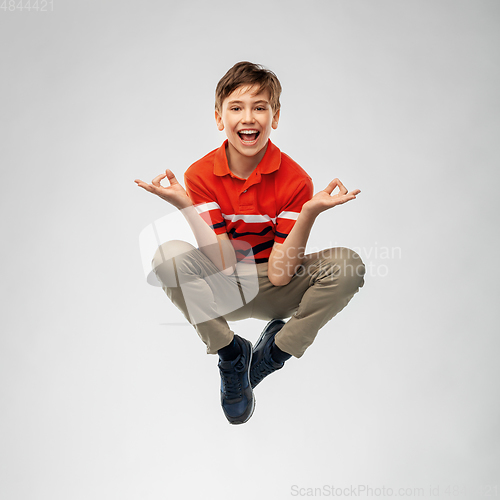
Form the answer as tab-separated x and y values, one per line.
248	136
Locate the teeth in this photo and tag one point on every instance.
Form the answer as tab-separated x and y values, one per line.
248	131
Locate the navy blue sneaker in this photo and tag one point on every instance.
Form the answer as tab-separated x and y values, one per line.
236	393
262	363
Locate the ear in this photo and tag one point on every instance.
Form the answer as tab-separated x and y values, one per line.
218	120
276	118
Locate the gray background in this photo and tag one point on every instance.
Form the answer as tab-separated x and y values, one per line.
100	398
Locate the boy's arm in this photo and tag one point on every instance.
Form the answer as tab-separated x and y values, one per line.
217	247
286	257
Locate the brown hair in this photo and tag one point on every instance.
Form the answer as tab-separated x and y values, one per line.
247	73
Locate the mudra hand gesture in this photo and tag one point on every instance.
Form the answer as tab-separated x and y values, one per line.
175	194
324	199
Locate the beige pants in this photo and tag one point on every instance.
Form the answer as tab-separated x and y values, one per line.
321	288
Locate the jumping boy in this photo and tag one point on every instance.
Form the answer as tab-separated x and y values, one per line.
250	206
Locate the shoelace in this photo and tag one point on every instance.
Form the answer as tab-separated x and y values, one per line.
231	381
262	370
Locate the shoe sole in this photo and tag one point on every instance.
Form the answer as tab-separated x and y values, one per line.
249	416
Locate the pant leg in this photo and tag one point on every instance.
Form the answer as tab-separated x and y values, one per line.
202	292
320	289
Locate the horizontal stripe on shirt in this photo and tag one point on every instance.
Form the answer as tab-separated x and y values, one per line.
249	218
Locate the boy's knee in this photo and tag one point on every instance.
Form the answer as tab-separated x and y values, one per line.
349	268
353	269
163	261
170	249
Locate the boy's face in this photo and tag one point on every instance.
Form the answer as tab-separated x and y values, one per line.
243	111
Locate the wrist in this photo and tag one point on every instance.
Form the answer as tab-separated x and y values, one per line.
185	204
308	212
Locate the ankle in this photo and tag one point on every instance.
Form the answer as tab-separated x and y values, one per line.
231	351
278	355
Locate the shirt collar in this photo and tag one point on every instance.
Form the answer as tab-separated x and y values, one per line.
270	162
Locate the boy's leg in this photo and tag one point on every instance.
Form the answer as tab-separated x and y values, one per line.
321	288
204	294
201	291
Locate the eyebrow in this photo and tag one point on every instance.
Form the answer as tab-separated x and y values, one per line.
241	102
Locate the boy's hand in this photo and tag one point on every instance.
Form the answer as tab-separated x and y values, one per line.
175	194
324	200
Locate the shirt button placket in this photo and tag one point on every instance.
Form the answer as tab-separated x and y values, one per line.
246	202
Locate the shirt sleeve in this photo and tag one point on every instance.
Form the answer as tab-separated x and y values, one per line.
290	211
205	203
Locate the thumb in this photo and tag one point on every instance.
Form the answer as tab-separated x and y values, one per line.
171	177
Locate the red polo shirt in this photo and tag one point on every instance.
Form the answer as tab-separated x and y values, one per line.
259	210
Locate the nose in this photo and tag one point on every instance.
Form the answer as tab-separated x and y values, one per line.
248	116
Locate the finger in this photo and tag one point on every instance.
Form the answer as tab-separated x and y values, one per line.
171	177
146	186
342	188
347	197
341	199
157	179
331	186
336	183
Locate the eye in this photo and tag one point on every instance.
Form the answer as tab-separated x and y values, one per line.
235	108
261	108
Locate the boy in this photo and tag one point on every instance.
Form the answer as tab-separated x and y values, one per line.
250	206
